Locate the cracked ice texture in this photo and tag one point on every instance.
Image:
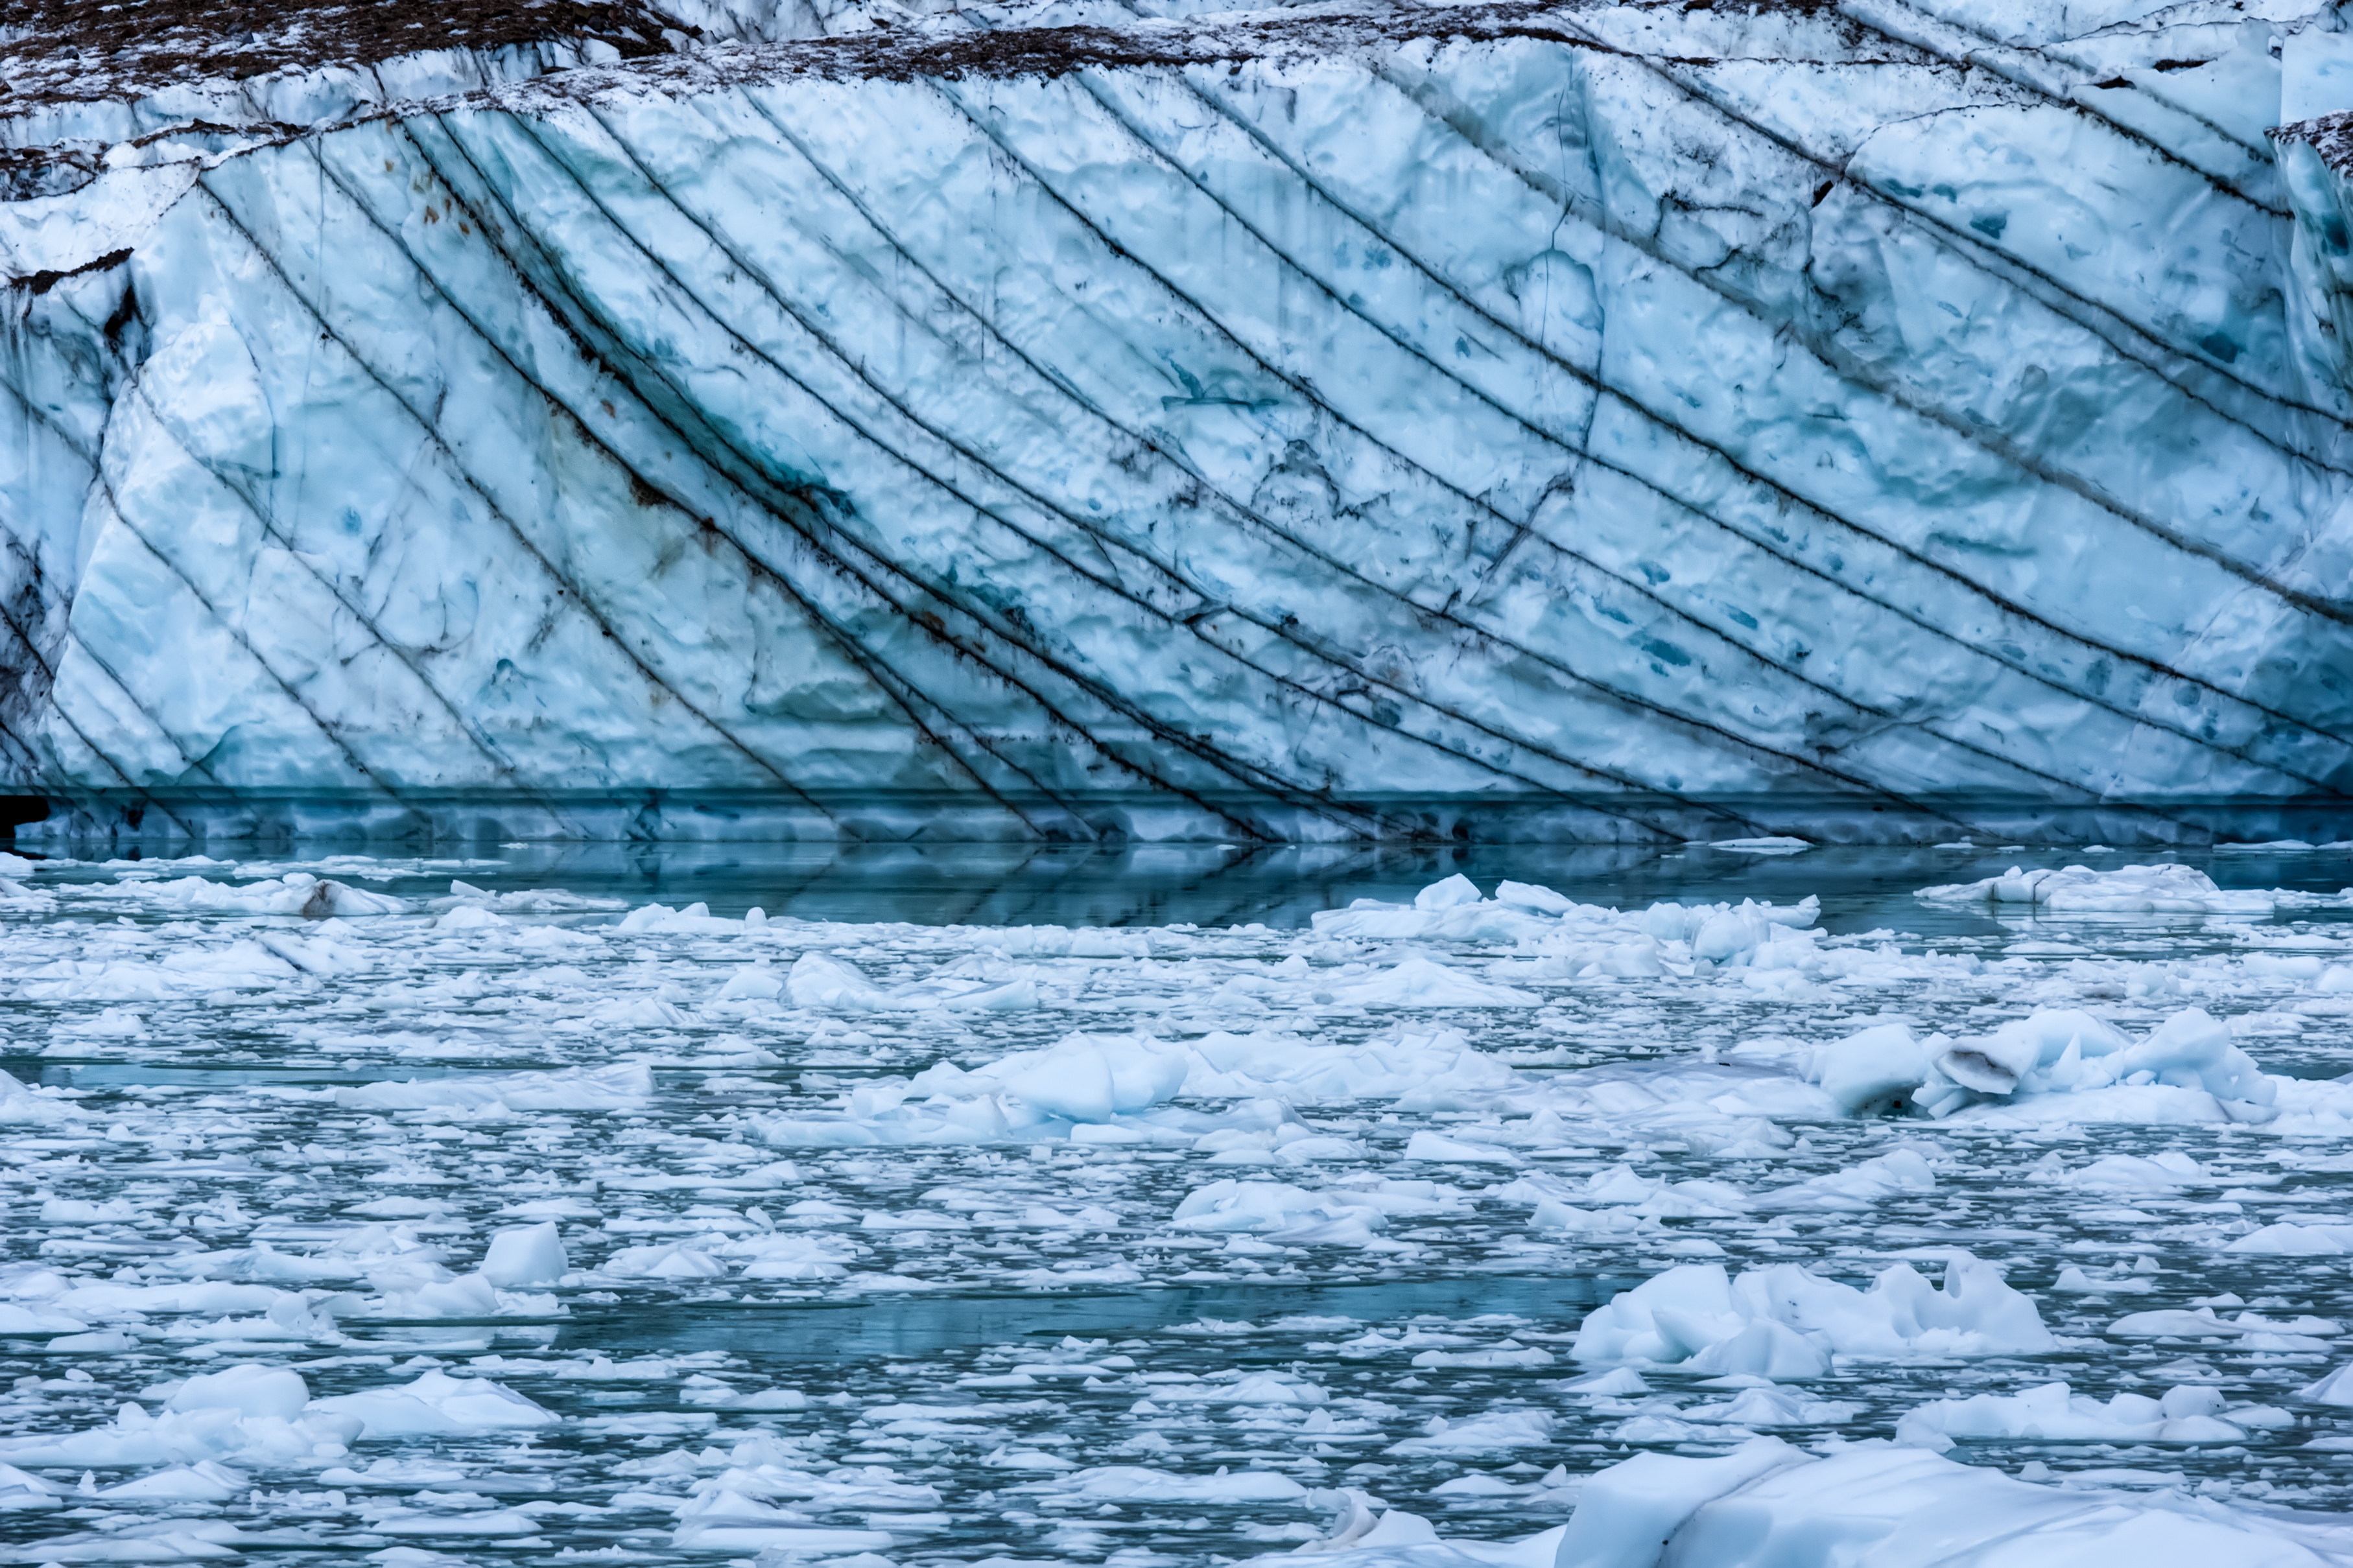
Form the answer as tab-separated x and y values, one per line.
1604	421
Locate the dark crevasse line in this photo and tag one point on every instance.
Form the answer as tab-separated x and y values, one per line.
567	588
503	764
369	778
918	469
1061	383
1429	272
2189	543
1126	253
1717	732
30	603
1439	104
39	769
1993	62
879	669
1544	184
780	510
910	697
1162	453
1190	622
1687	87
769	286
2034	281
567	595
1462	124
2031	279
459	470
2256	150
1207	625
1603	386
613	352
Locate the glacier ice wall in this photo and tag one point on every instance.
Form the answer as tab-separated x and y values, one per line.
1599	421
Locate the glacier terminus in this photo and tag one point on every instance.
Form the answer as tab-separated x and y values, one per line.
1881	419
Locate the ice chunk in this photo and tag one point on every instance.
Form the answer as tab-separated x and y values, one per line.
2336	1388
251	1389
1091	1077
1421	983
526	1254
1784	1320
2159	889
1900	1171
204	1481
2287	1238
1532	897
1496	1431
22	1107
1438	1148
819	980
2054	1413
1626	1513
1774	1507
435	1405
617	1088
1873	1069
669	1260
295	893
1452	893
1282	1213
1137	1483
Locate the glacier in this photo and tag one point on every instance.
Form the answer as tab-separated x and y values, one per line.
1875	420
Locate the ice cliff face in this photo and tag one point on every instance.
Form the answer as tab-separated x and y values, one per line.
1596	421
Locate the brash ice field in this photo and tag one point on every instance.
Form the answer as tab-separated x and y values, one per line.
502	1216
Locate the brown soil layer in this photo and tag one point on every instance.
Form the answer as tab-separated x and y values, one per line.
73	48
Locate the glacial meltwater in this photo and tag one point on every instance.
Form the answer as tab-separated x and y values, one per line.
1168	1204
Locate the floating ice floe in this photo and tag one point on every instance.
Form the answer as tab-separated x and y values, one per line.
1785	1323
2253	1330
1111	1088
435	1404
2054	1413
265	1414
621	1087
1139	1483
1774	845
295	893
1282	1214
1565	940
23	1107
2063	1064
1492	1432
1769	1505
821	980
2160	889
1618	1201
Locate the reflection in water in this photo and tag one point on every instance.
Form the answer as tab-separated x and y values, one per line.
1215	886
925	1326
